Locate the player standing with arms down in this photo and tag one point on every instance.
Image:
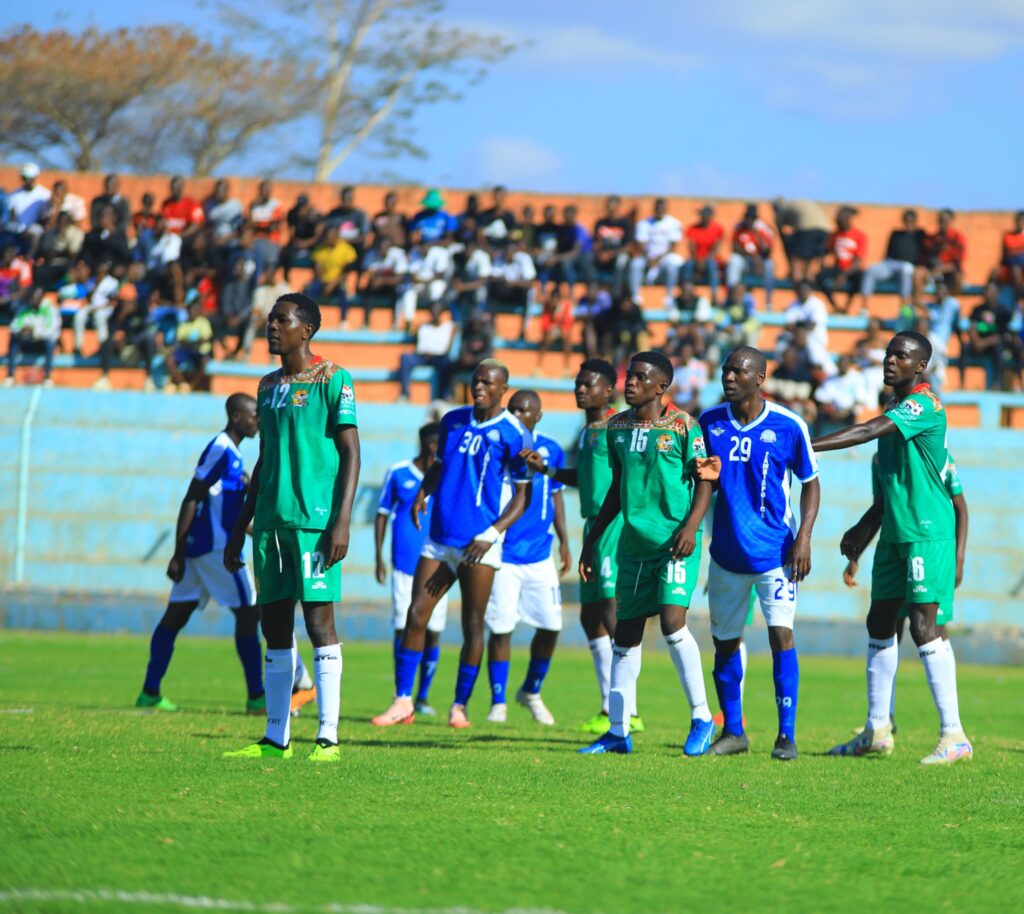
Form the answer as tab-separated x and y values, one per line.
480	486
526	586
595	386
300	504
397	495
656	452
755	542
915	561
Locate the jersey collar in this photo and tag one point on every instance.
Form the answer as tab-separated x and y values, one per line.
497	418
924	385
743	428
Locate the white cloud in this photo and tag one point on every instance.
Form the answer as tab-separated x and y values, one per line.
520	161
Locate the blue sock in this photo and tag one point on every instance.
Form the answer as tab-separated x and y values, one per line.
428	667
728	677
249	652
464	683
161	646
497	672
786	671
535	674
407	662
396	644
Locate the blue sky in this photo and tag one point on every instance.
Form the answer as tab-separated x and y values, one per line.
907	101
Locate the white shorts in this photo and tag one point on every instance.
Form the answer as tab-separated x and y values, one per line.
729	599
453	556
206	578
401	597
525	592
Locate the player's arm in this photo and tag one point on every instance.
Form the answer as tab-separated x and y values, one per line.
427	488
960	512
861	433
197	491
565	475
380	526
800	553
477	549
610	509
233	549
685	540
564	556
346	440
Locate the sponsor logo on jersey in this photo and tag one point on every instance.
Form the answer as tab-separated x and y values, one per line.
620	439
698	447
717	430
408	484
300	397
347	393
768	436
678	592
321	510
319	585
664	443
920	588
912	408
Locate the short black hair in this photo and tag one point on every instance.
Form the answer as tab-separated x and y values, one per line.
659	360
529	394
602	367
235	402
920	340
755	355
308	309
430	430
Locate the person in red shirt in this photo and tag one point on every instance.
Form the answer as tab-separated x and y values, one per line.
184	215
752	241
944	253
703	239
1013	253
847	250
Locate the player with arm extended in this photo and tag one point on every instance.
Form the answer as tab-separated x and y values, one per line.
300	505
915	561
526	586
755	541
396	498
860	535
656	451
595	386
480	486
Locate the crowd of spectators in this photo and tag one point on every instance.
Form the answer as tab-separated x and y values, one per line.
190	277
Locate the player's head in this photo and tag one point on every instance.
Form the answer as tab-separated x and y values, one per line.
595	384
428	439
489	384
525	406
743	373
647	378
292	322
242	416
906	358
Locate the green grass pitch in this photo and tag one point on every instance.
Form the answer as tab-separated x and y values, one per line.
108	809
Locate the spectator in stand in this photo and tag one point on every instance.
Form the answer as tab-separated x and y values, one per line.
987	335
266	215
73	294
111	196
184	214
841	396
470	280
143	227
331	259
163	262
63	201
658	263
847	249
791	384
613	233
497	221
268	291
105	241
736	321
752	241
203	266
132	337
513	276
592	312
15	279
805	229
689	379
193	344
556	322
430	267
545	246
466	229
432	223
627	328
351	221
573	260
470	214
944	254
528	226
390	223
35	329
703	239
27	208
385	274
943	325
1013	254
224	214
433	348
304	229
902	255
99	308
475	345
810	310
58	249
691	305
234	309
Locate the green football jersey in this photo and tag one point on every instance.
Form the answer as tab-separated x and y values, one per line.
953	485
912	469
593	471
299	415
658	475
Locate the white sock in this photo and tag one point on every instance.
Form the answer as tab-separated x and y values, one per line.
622	694
883	658
743	666
277	682
940	668
601	653
301	673
327	672
892	697
686	656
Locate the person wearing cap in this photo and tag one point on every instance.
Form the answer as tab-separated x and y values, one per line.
752	240
944	253
804	226
432	223
847	248
703	239
27	208
902	255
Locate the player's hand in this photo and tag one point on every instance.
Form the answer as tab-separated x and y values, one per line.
684	542
533	460
233	552
800	558
850	573
382	571
586	567
337	544
176	568
564	559
854	541
709	468
419	506
475	551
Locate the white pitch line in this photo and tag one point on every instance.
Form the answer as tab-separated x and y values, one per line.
205	903
16	710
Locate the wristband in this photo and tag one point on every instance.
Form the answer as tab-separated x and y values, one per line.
490	535
550	471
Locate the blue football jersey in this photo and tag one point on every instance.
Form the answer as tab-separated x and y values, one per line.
221	466
480	463
529	539
401	484
754	524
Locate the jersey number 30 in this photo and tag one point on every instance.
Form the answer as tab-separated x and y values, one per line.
470	443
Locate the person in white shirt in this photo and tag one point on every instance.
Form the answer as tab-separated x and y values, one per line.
162	261
99	307
810	309
841	396
659	264
433	345
469	284
385	276
513	278
429	275
28	206
63	201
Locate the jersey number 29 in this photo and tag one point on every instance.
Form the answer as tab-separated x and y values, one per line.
740	449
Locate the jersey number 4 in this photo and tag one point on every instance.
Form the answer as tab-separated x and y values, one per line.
740	449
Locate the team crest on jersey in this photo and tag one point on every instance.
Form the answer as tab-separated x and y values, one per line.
717	430
664	443
347	393
768	436
595	437
698	447
544	452
494	435
300	397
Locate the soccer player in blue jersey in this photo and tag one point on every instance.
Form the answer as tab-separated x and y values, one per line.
526	586
755	540
481	487
397	495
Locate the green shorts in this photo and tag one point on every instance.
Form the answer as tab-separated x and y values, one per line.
752	606
922	572
605	561
645	585
290	565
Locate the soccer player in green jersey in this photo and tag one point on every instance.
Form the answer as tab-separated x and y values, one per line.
300	505
595	386
656	453
915	562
